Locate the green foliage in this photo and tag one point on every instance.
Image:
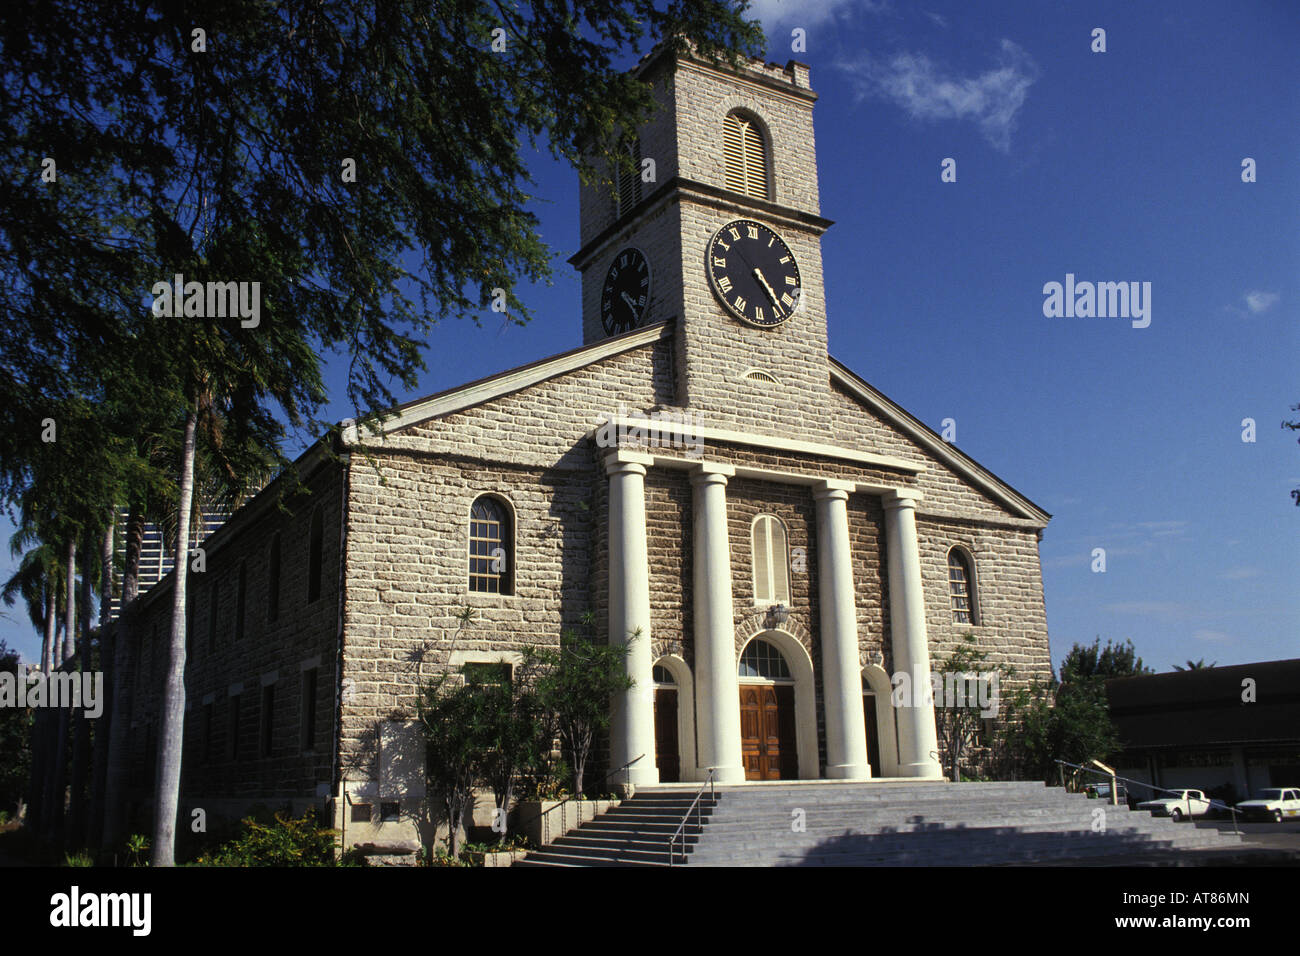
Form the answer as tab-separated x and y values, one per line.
1071	720
1085	662
1294	426
78	859
284	842
15	742
958	726
574	686
137	845
459	722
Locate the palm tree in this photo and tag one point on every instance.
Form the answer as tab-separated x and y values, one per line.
1198	665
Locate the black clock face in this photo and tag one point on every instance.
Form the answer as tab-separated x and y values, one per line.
753	273
626	292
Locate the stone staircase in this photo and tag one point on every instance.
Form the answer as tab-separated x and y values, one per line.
884	824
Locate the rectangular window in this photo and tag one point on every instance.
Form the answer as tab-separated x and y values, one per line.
360	813
268	717
273	582
390	811
487	672
315	547
207	733
232	741
307	722
214	598
241	586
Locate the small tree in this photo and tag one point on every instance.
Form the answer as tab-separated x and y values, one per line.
1052	721
958	721
15	740
575	685
457	720
518	735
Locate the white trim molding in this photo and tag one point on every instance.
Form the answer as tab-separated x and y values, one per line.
503	383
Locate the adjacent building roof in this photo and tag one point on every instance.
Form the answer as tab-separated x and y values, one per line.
1209	707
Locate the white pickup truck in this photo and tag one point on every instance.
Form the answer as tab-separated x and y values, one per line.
1276	805
1178	804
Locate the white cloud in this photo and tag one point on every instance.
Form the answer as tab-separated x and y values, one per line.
1169	610
927	91
1213	637
807	13
1258	301
937	19
1239	574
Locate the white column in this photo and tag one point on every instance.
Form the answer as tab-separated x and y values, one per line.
717	689
632	727
846	731
917	740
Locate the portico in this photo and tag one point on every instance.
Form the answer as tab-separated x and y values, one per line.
718	690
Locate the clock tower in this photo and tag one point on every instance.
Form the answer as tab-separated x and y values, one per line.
719	234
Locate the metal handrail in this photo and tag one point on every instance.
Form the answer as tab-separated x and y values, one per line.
520	825
699	821
1153	788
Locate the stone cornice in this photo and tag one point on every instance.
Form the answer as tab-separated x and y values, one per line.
679	187
677	435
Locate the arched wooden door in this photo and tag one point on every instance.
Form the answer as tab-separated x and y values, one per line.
767	732
667	752
667	758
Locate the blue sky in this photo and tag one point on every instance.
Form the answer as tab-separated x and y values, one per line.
1115	166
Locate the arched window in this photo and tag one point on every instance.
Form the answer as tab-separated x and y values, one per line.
745	153
315	547
961	587
771	561
663	675
491	560
762	660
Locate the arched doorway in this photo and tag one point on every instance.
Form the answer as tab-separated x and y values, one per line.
768	736
674	719
878	711
667	751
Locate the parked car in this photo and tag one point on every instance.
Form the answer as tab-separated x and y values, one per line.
1275	804
1101	791
1177	804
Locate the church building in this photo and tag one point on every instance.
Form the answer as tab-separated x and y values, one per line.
770	536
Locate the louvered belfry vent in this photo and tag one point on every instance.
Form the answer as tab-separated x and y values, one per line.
629	178
745	156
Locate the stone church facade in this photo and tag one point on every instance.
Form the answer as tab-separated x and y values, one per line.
770	536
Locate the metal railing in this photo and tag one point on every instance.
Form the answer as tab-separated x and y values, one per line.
520	826
699	817
1214	804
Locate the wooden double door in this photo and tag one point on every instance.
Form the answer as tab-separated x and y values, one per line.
767	732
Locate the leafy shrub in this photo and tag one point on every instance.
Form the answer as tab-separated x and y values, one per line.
78	859
285	842
137	845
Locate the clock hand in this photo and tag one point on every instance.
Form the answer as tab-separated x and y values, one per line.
628	299
766	288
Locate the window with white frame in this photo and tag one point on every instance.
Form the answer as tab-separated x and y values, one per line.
771	561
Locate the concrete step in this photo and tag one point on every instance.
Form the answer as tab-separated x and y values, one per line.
909	824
